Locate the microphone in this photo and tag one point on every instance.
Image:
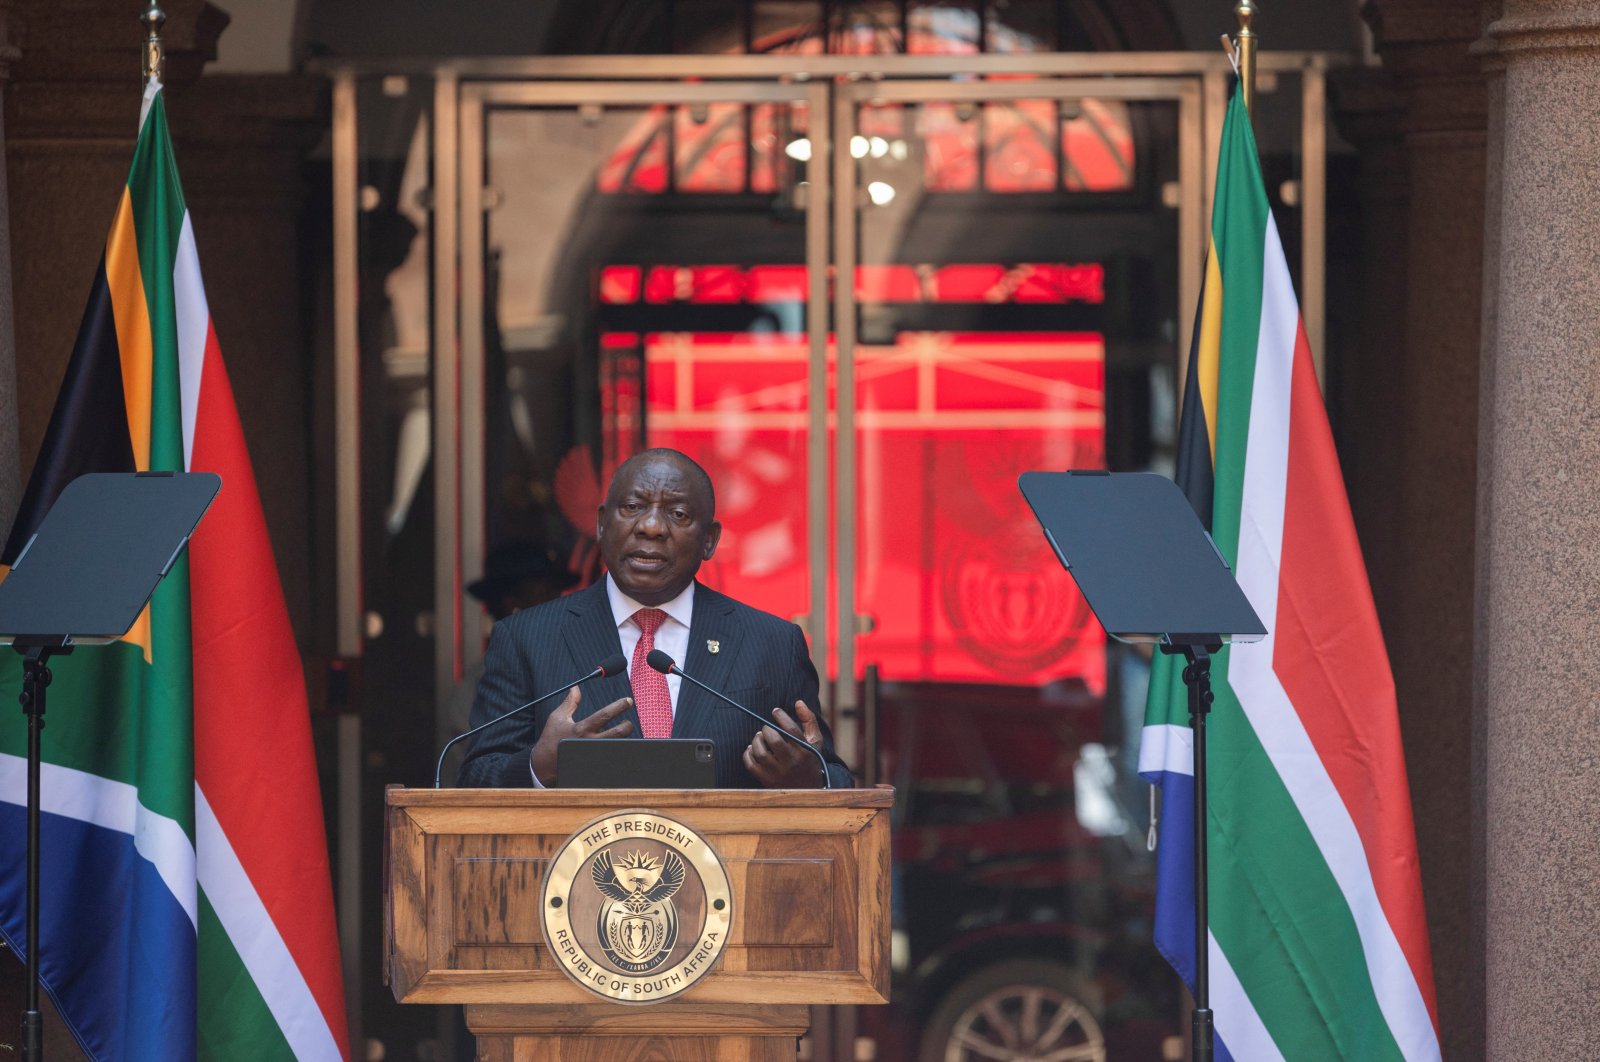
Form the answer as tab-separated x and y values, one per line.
611	665
665	664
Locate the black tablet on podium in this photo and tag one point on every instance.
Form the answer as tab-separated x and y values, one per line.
636	763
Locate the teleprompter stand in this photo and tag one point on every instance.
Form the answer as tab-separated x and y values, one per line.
1151	574
82	579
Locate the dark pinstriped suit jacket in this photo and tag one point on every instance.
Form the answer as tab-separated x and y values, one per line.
762	663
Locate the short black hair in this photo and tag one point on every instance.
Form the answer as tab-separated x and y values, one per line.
689	465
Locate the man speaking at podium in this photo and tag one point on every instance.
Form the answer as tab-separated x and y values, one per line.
656	527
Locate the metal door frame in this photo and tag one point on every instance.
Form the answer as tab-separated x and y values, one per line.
469	496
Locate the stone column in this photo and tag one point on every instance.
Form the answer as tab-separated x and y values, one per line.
1428	608
1489	318
1541	539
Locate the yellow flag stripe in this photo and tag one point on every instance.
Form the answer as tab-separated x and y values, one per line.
132	316
1210	347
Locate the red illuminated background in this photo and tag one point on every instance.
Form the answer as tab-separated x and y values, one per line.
951	568
950	564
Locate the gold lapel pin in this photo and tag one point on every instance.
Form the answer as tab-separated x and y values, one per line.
713	646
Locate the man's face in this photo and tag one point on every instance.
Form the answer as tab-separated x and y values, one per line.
655	529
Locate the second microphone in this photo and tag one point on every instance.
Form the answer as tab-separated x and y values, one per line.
664	663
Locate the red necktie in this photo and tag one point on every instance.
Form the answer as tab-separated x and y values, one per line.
650	693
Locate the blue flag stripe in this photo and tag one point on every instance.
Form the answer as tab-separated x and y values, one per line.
86	930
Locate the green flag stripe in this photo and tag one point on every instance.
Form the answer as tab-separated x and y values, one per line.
111	714
156	193
75	734
1238	232
166	745
234	1019
157	201
1238	236
166	727
1267	875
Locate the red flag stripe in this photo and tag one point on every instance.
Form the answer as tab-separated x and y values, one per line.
250	725
1330	653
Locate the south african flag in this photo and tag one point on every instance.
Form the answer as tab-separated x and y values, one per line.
1318	946
186	902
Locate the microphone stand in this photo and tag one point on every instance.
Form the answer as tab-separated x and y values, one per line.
666	665
1197	650
36	653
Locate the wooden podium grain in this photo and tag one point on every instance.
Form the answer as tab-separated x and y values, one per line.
809	871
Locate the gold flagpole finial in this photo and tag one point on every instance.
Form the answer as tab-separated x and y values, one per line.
154	61
1246	11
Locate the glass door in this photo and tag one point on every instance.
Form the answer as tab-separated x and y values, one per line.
1017	303
644	265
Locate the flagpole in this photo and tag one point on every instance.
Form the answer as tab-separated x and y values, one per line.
154	59
1246	11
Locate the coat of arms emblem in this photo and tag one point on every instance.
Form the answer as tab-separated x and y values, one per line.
636	907
639	927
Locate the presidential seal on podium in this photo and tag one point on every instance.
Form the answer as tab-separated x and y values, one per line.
636	907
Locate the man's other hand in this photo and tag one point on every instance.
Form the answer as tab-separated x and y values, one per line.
779	763
561	725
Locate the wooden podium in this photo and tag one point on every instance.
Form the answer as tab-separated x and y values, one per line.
808	870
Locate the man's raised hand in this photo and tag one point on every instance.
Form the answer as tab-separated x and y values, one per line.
562	725
780	764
